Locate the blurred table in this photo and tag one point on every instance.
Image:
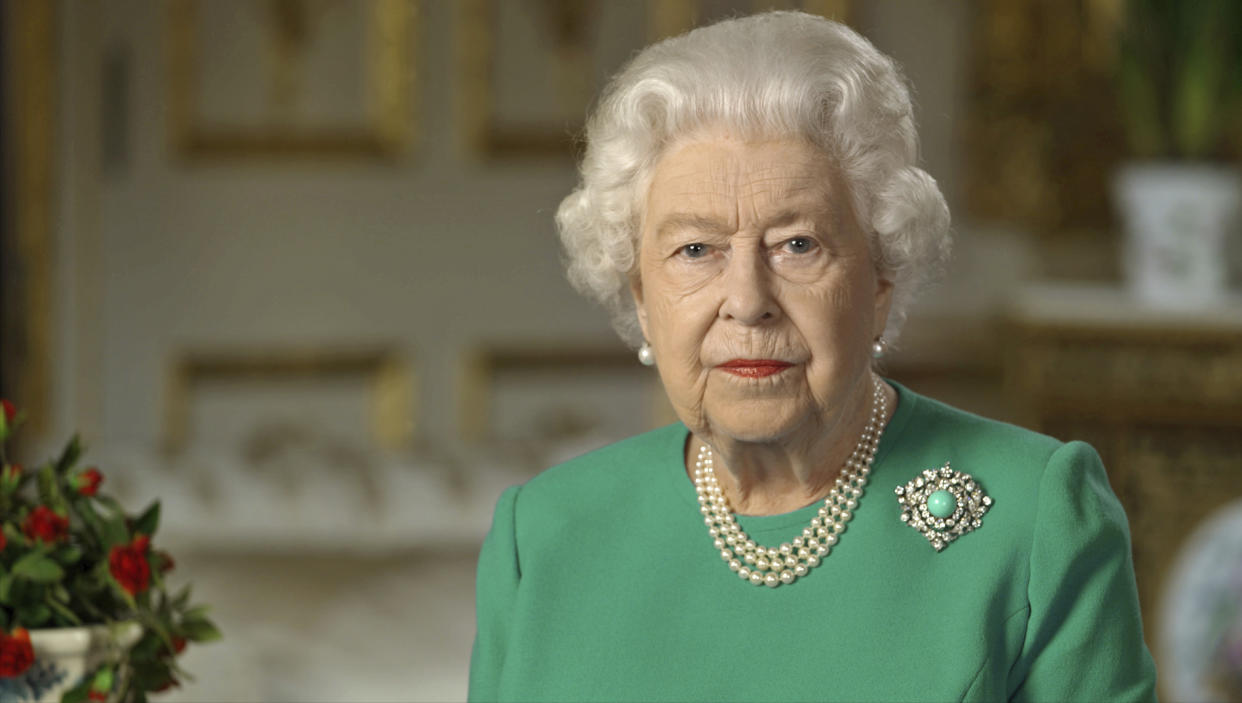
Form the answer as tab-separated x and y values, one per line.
1157	392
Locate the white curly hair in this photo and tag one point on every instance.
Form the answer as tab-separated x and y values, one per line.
775	74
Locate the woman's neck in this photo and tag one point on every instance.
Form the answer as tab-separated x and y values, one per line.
775	478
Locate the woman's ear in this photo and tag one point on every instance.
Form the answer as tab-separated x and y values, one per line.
636	291
883	303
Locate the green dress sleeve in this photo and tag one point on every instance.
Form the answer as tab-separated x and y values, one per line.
496	589
1084	635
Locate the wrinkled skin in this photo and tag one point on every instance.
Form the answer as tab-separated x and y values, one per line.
751	250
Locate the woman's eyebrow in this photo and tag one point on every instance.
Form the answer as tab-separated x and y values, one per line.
678	221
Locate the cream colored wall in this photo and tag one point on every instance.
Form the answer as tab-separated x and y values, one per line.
431	253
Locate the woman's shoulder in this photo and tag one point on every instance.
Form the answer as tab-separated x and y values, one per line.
931	419
1024	471
607	475
937	432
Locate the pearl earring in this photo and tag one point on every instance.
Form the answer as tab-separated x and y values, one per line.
879	347
645	355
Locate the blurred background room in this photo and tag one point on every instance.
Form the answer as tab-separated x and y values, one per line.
291	267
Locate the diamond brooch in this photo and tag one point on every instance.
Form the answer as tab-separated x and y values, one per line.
943	505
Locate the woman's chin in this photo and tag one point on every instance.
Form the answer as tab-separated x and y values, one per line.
758	423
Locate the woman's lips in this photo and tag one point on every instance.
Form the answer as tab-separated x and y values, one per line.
754	368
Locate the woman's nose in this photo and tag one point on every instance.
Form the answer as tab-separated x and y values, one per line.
748	294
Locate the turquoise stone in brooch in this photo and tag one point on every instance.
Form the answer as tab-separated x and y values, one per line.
943	505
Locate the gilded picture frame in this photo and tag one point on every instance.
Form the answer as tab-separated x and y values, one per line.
1042	131
283	68
549	391
385	375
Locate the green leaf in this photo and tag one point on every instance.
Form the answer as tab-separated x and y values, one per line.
150	675
1195	99
90	518
49	492
157	627
68	554
104	679
64	613
146	647
77	694
195	613
114	532
14	535
149	520
1141	109
182	599
200	630
33	615
38	568
69	456
111	504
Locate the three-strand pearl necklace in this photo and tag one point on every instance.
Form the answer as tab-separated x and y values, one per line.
774	566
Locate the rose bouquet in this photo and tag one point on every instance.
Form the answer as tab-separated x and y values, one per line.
71	556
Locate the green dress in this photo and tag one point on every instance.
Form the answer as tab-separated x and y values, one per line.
598	581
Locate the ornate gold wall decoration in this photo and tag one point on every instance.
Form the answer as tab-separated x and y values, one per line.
530	68
384	375
1042	133
553	392
284	97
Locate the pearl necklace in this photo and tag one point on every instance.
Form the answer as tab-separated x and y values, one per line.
774	566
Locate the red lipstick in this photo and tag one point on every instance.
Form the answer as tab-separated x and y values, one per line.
754	368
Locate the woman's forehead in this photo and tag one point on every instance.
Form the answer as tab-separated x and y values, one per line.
714	174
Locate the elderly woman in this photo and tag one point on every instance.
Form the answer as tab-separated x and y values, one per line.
751	212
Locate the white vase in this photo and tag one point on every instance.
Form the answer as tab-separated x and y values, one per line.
1177	219
63	655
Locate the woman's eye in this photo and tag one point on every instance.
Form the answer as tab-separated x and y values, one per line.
694	251
800	245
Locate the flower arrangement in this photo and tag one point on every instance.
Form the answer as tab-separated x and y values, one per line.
72	556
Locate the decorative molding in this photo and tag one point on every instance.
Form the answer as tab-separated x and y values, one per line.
388	373
483	368
388	79
1042	130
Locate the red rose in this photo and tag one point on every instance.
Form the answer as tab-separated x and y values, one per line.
44	524
4	541
16	654
96	695
88	481
10	411
128	564
178	644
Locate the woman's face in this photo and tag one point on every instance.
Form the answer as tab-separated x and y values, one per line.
756	288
